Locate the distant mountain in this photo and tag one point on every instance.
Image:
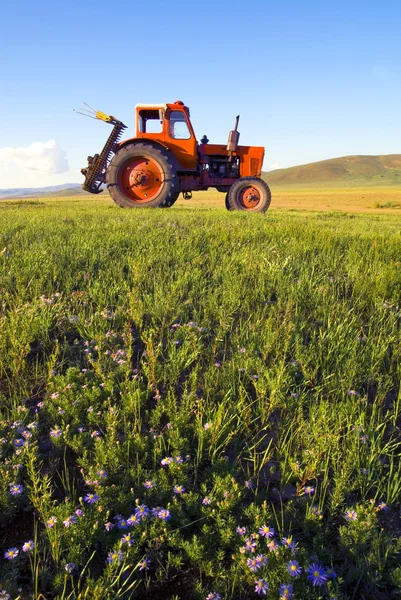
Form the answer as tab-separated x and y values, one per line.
346	170
66	189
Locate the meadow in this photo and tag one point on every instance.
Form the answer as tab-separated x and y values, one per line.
201	405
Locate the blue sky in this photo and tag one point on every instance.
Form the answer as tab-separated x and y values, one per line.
311	80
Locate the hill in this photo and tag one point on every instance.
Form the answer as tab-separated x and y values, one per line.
65	189
346	170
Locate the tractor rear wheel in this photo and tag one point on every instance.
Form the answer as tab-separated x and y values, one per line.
142	176
249	193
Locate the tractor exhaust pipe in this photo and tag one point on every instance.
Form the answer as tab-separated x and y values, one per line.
233	137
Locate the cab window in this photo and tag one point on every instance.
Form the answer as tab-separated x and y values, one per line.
178	127
150	121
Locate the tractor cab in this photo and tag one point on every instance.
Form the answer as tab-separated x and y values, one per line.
170	126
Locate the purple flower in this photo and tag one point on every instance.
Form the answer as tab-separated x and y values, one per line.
285	591
261	587
350	515
217	364
28	546
134	519
71	520
178	460
241	530
11	553
316	574
102	473
272	545
266	531
69	567
261	560
164	514
149	484
213	596
79	512
18	442
56	432
293	568
51	522
330	572
315	511
352	392
309	489
166	461
144	564
248	484
142	510
250	545
91	498
288	542
16	489
127	539
116	556
124	523
206	501
252	564
207	426
179	489
108	526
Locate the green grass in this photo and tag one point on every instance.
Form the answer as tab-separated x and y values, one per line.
262	350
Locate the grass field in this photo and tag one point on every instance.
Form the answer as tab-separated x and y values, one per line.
198	404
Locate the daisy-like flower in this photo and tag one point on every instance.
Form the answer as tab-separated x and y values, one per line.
272	545
330	572
261	560
293	568
149	484
241	530
289	543
28	546
250	545
166	461
309	489
125	523
350	515
102	473
91	498
116	556
178	460
316	574
213	596
142	510
69	567
127	539
382	506
4	595
19	442
285	591
51	522
71	520
144	564
164	514
134	520
108	526
266	531
79	512
179	489
315	511
206	501
11	553
248	484
16	489
261	587
207	426
56	432
252	564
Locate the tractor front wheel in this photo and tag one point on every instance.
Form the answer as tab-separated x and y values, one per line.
142	176
249	193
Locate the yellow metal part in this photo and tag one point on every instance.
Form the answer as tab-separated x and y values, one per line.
102	116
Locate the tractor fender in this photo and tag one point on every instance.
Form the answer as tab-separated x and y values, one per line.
154	144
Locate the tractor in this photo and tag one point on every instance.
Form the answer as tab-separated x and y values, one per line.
164	159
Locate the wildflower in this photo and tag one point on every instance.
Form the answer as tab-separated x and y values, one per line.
142	510
242	350
272	545
266	531
206	501
250	545
309	489
293	568
226	494
134	519
54	395
116	556
108	526
316	574
255	377
288	542
294	395
178	460
127	539
261	586
252	564
241	530
352	392
40	404
4	595
382	506
261	560
285	591
56	432
91	498
28	546
350	515
166	461
69	567
164	514
101	473
16	489
11	553
315	511
79	512
144	564
213	596
149	484
217	364
363	438
71	520
179	489
124	523
95	434
207	426
60	410
18	442
51	522
81	429
330	572
364	471
248	484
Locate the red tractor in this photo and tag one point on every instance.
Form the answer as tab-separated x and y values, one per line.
165	159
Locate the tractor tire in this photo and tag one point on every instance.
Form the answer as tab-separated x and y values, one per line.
228	207
142	176
249	193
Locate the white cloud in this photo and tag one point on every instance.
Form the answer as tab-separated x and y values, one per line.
41	157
